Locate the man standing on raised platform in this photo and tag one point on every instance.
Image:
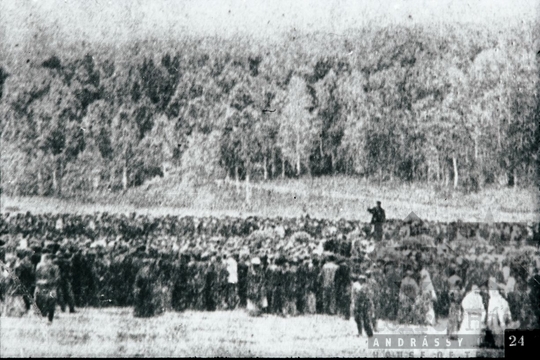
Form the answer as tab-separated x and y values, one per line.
378	219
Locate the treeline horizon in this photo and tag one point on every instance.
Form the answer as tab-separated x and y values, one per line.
455	106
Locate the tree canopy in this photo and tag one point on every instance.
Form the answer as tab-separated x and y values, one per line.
413	104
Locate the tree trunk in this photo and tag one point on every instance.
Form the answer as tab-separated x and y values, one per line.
273	165
54	181
40	182
95	180
111	178
298	153
499	134
60	176
332	157
265	165
446	175
124	177
283	168
413	170
438	168
456	175
237	179
248	189
476	148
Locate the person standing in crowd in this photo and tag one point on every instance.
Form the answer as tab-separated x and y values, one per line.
63	260
192	282
453	288
47	281
389	297
243	271
232	282
166	269
255	295
498	314
509	280
220	293
362	305
181	293
311	284
289	288
80	268
25	272
426	299
407	297
534	292
455	294
343	288
200	281
376	279
318	263
143	290
301	278
271	287
211	282
13	291
378	219
329	285
454	277
373	285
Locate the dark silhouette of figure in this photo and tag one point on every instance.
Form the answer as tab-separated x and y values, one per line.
378	219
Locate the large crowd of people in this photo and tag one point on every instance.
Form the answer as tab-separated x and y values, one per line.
276	266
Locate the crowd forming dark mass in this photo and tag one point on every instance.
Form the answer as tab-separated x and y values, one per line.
285	266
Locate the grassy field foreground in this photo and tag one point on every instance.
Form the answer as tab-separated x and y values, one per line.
115	332
326	197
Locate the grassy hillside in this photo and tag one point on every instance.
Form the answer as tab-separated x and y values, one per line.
323	197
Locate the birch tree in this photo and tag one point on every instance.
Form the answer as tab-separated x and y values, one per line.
298	127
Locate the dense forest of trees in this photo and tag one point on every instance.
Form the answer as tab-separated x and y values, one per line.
454	106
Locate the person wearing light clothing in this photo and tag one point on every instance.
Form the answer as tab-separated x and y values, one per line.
509	280
428	297
232	282
474	313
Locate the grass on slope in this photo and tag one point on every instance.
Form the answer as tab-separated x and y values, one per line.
325	197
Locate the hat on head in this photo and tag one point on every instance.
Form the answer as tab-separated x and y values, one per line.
256	261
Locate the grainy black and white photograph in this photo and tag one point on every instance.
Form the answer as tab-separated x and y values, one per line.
231	178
